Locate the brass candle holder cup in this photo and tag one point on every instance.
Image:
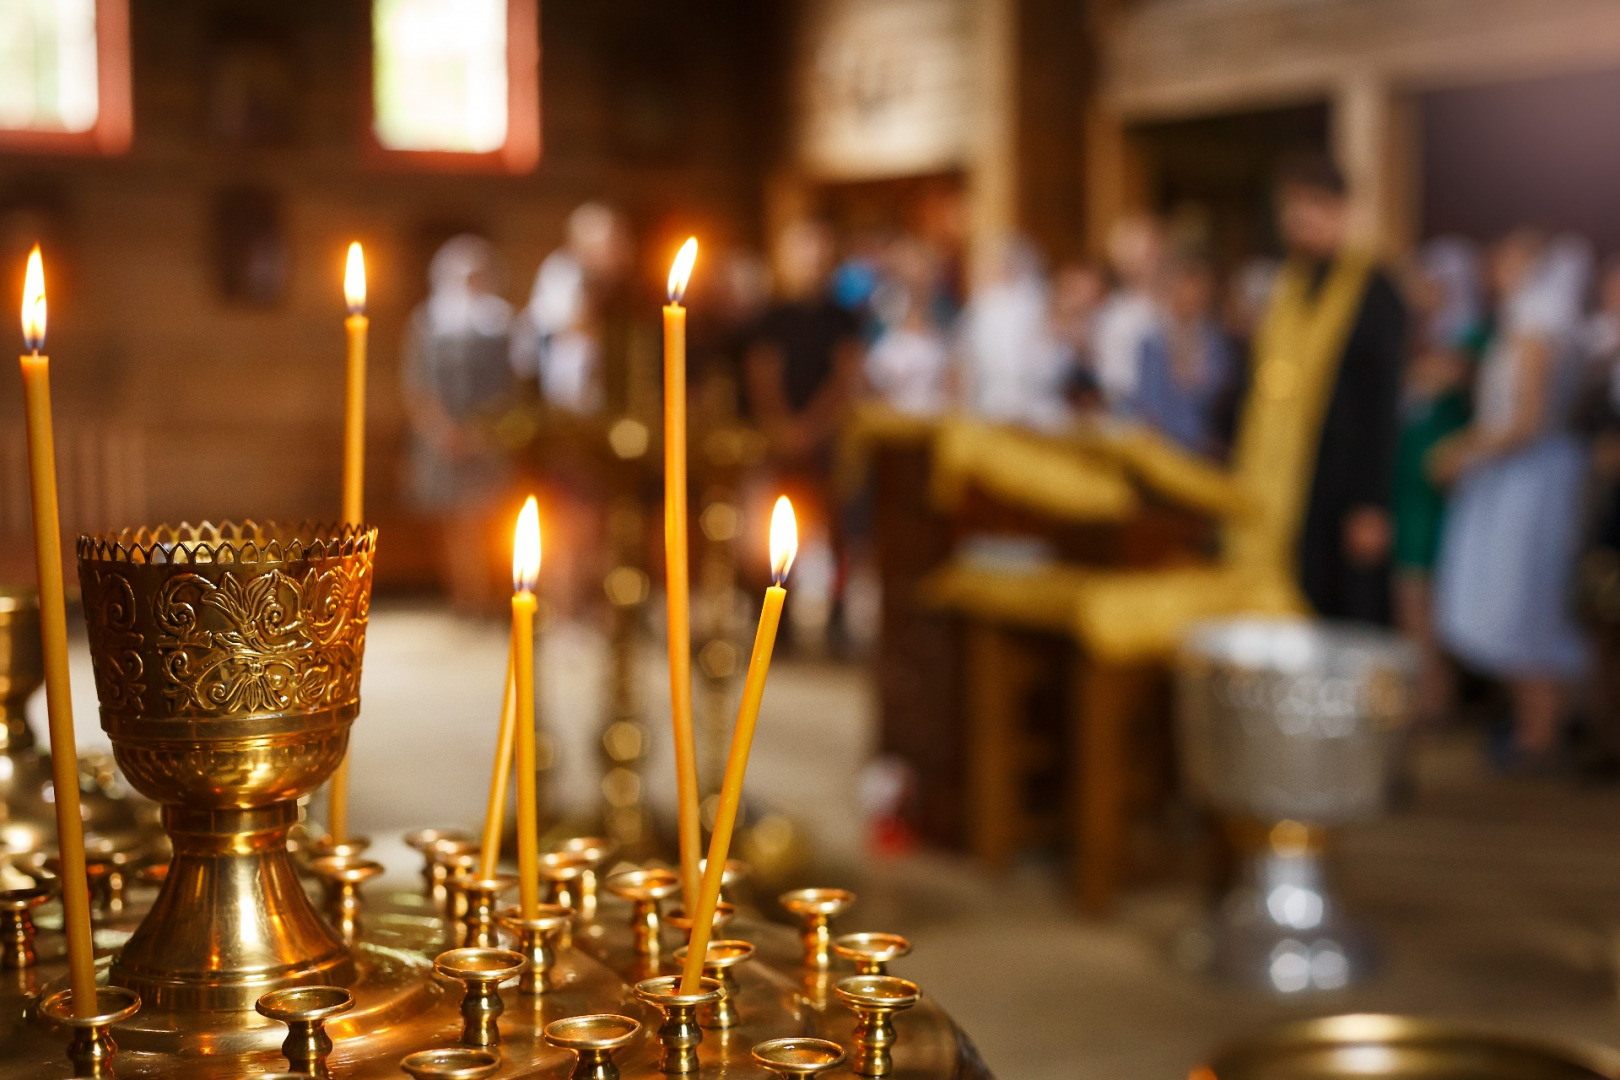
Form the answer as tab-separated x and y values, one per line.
355	847
645	889
734	873
535	941
433	845
875	999
342	876
720	961
593	1037
815	908
305	1010
227	661
91	1048
460	868
17	923
680	1034
871	953
723	913
452	1063
593	852
482	894
481	971
798	1056
563	872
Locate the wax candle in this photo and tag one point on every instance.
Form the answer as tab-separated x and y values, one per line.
36	376
525	570
676	567
784	545
354	473
489	852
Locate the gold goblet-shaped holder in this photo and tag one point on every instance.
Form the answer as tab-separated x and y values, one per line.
875	999
91	1048
871	953
305	1010
798	1056
593	853
535	941
452	1063
17	923
593	1037
680	1034
815	909
227	661
720	961
483	894
433	845
342	876
645	889
481	971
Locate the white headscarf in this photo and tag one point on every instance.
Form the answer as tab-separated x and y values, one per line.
455	306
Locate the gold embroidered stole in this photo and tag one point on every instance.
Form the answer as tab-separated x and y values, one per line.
1297	354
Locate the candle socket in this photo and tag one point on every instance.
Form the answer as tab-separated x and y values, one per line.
91	1048
871	953
564	874
17	924
452	1063
305	1010
482	895
341	876
433	845
535	941
815	908
645	889
594	852
723	913
460	868
720	960
593	1037
353	847
680	1034
798	1056
481	971
875	999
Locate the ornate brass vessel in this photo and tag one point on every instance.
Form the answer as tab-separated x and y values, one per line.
227	660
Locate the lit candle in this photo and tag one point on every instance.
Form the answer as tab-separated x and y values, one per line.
489	852
36	376
676	570
784	545
525	570
354	474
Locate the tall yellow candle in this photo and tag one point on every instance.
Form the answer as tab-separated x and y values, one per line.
489	852
36	376
354	472
525	571
784	545
677	571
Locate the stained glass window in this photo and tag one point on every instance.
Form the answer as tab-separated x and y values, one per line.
440	74
48	70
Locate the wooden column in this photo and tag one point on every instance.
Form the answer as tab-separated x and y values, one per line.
1375	138
992	175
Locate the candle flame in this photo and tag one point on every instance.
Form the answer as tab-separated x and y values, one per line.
526	548
681	272
354	280
33	304
784	539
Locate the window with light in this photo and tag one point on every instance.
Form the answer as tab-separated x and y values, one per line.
441	75
48	65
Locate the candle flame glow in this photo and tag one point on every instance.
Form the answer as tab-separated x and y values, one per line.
681	272
784	539
33	304
354	280
526	548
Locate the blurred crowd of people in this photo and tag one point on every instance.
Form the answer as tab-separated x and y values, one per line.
1504	453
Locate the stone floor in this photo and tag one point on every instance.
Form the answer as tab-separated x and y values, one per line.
1495	901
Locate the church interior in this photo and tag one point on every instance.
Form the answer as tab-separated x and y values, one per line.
1082	536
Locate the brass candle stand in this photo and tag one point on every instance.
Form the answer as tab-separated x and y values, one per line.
91	1047
342	877
564	873
482	896
815	909
790	1058
227	660
676	920
481	971
17	923
452	1063
305	1010
593	853
435	845
594	1038
720	961
646	890
875	999
679	1034
536	941
871	953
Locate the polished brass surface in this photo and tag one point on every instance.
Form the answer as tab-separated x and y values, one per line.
593	1037
482	895
305	1010
342	876
720	962
17	924
452	1063
871	953
789	1058
875	999
91	1048
227	662
816	908
1371	1046
594	852
537	939
679	1034
645	889
482	971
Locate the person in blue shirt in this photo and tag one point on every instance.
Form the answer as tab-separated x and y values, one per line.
1186	365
